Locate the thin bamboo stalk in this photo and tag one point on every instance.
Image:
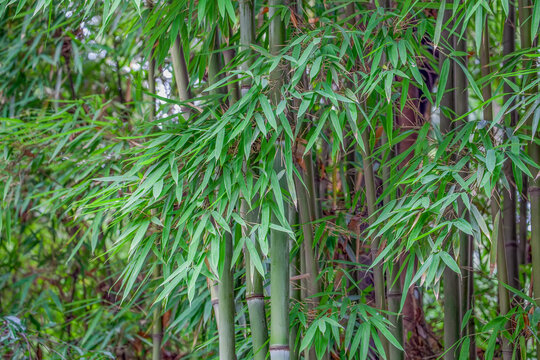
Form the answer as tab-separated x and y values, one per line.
533	148
509	218
279	249
157	326
523	231
498	241
466	242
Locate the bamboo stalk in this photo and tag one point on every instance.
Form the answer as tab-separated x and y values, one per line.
294	290
394	290
509	218
232	87
225	290
214	299
307	250
226	304
214	63
157	326
533	148
181	74
466	242
450	278
371	198
254	280
279	283
523	231
279	249
255	296
498	241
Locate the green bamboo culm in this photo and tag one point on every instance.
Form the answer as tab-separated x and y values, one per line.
509	218
527	42
181	73
450	278
255	294
295	294
307	250
279	283
279	246
394	290
157	325
497	239
226	303
226	280
371	199
466	241
215	62
254	280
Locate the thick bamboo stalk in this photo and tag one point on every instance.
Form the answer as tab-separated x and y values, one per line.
371	198
180	73
394	290
307	250
255	296
498	241
247	37
294	288
502	272
509	218
450	278
466	242
254	280
533	148
225	290
214	63
226	304
279	284
214	299
232	87
279	248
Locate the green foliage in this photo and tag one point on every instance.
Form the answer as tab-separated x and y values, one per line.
94	197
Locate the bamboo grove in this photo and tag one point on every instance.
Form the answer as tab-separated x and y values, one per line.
283	179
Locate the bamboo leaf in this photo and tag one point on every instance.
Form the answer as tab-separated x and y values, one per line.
439	23
441	88
449	261
267	109
535	21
